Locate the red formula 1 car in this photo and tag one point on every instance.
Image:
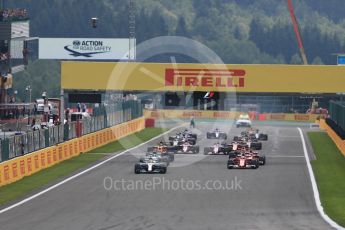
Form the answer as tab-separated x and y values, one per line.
243	162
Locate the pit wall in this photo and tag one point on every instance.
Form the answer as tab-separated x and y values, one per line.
333	135
171	114
17	168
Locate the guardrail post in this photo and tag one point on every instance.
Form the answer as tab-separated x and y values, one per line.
46	138
5	150
65	132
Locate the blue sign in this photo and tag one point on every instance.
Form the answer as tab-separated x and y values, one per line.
341	60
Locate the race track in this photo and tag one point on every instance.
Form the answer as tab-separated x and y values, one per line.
278	195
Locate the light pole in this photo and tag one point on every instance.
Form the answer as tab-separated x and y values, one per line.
16	114
29	89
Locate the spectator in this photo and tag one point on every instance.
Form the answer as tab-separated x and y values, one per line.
192	122
26	56
13	14
35	109
78	107
17	113
84	107
33	122
67	115
23	111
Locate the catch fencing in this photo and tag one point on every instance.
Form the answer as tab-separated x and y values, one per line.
31	141
337	113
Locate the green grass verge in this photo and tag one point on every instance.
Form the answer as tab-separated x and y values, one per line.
36	181
130	141
329	170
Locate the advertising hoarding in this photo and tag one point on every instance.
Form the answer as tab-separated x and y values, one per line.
86	49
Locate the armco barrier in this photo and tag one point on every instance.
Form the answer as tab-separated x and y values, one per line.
17	168
333	135
171	114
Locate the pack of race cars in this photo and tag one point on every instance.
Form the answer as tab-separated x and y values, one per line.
242	150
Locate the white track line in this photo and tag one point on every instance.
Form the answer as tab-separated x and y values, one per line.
282	156
81	173
314	186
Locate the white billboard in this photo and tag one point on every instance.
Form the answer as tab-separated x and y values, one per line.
87	48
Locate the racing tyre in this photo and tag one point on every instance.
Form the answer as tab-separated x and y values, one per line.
206	151
232	155
257	146
150	149
196	150
171	157
262	160
230	164
136	170
263	137
163	171
256	164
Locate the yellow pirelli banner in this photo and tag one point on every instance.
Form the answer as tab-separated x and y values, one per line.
17	168
202	77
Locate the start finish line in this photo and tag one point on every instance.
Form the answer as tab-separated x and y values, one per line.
135	76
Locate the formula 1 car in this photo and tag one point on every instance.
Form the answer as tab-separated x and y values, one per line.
187	148
160	147
247	142
218	149
253	144
189	134
164	157
216	134
250	154
242	162
163	149
180	138
150	165
254	134
181	141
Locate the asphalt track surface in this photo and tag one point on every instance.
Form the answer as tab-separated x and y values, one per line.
278	195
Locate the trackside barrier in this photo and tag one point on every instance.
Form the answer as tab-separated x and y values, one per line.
337	113
102	118
173	114
19	167
333	135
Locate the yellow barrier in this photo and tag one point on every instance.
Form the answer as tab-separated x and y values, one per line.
170	114
333	135
17	168
291	117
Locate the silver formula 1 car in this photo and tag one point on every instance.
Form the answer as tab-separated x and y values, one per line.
164	157
216	134
150	164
